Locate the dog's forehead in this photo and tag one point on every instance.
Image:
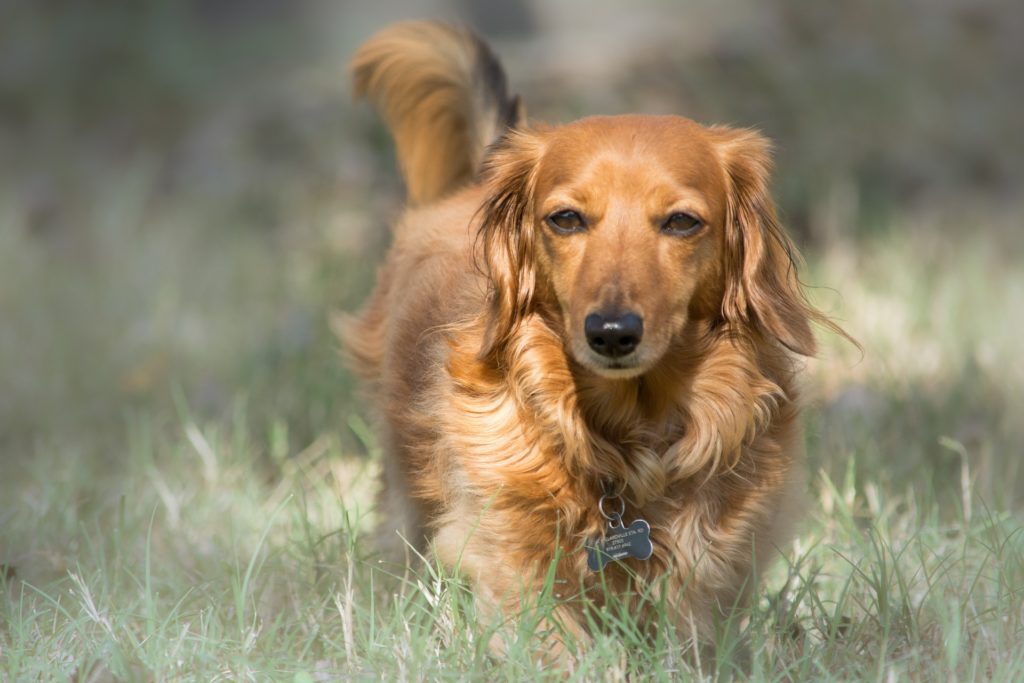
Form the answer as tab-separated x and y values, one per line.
640	147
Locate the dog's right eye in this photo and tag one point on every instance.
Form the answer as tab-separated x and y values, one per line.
566	222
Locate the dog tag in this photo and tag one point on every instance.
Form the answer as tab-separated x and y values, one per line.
619	543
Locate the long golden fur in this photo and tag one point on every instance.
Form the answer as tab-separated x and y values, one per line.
501	418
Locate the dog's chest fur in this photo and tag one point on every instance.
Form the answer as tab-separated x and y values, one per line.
518	455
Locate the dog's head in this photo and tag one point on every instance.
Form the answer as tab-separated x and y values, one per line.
630	228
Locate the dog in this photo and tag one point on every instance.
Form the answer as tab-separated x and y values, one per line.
583	346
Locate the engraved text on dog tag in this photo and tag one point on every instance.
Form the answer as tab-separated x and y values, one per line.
619	543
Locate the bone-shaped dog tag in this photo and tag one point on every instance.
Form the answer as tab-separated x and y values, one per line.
619	543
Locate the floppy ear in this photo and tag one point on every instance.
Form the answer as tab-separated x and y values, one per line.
762	288
507	235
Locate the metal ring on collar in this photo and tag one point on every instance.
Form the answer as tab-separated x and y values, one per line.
611	517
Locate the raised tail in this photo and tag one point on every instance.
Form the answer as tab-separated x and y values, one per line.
443	94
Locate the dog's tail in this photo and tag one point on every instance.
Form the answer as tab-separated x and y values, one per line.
443	94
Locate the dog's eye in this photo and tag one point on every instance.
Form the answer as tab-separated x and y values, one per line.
566	222
681	224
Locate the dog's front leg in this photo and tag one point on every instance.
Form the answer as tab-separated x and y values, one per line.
516	600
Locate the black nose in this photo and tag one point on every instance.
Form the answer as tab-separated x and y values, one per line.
614	336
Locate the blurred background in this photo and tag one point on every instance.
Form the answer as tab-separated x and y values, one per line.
187	190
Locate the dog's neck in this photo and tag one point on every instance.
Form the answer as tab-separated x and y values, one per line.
688	417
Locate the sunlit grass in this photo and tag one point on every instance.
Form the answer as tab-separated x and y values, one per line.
194	559
158	533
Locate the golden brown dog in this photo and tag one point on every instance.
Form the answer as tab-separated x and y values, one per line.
607	308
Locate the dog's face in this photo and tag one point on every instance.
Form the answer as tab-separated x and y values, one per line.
630	227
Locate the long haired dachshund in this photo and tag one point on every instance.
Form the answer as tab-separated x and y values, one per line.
583	344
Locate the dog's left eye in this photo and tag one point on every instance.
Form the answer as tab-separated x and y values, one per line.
566	222
681	224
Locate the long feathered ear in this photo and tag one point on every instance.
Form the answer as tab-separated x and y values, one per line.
762	288
507	235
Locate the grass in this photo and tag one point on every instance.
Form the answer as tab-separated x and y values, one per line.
152	540
186	472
